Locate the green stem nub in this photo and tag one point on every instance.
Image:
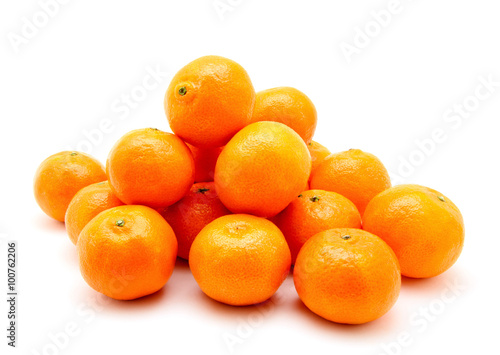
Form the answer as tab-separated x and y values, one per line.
314	199
74	153
182	90
300	195
345	237
203	190
441	198
120	223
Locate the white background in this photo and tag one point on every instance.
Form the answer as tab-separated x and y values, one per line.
70	77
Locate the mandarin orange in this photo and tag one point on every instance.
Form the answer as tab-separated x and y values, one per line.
127	252
423	227
262	169
150	167
60	177
288	106
318	154
347	275
314	211
209	100
355	174
204	162
195	210
240	259
88	203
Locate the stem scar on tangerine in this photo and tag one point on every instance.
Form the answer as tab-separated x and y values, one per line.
120	223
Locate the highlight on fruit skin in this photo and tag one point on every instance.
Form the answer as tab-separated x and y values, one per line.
240	259
59	177
347	275
127	252
423	227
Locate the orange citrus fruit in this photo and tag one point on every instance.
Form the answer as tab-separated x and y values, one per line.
262	169
288	106
209	100
240	259
127	252
150	167
204	162
60	177
318	154
312	212
355	174
187	217
88	203
423	227
347	276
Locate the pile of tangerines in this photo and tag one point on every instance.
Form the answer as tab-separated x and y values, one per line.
242	192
